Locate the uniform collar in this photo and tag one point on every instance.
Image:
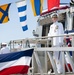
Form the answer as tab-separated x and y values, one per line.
55	22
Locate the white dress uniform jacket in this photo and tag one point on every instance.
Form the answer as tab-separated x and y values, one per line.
4	50
56	29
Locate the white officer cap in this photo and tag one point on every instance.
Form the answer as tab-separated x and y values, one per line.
54	15
3	43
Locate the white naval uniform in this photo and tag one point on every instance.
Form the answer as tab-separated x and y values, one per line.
4	50
57	29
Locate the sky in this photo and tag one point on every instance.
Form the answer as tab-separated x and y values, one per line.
12	30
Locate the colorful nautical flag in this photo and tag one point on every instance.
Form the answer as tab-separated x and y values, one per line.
16	62
37	6
22	6
51	4
4	9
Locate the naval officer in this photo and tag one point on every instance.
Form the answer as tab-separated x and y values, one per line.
57	29
4	48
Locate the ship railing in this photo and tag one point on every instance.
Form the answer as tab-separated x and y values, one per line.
48	52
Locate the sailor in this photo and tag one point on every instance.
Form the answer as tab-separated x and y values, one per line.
57	29
4	48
